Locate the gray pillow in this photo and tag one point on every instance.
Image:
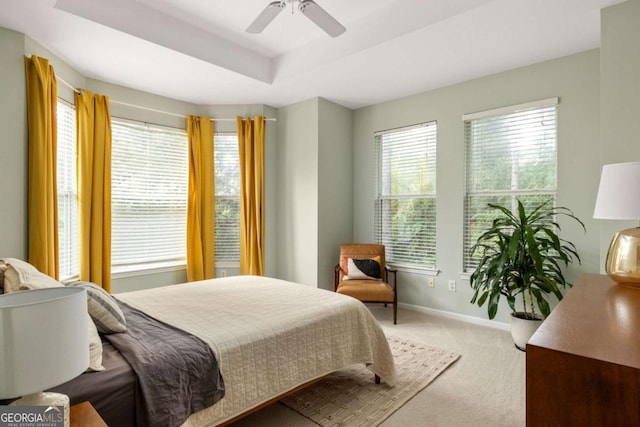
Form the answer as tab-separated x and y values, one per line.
103	308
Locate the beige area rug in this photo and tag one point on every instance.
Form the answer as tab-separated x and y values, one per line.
350	397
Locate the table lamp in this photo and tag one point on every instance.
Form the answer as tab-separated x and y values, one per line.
43	343
619	198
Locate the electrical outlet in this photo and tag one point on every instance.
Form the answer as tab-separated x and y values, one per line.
432	282
223	273
452	285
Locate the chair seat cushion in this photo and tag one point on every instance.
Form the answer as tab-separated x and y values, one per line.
367	290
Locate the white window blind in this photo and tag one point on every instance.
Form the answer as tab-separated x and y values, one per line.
67	191
509	156
149	196
405	211
227	196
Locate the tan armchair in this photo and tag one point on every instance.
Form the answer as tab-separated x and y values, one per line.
375	288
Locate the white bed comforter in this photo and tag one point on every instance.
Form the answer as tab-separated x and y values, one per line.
269	335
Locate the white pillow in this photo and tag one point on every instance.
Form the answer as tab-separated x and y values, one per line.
22	276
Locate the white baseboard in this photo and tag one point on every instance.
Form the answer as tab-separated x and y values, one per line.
457	316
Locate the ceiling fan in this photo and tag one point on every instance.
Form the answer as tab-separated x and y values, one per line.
309	8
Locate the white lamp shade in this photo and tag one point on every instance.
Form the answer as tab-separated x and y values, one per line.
619	192
43	339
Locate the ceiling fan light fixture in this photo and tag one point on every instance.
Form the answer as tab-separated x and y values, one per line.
321	18
269	13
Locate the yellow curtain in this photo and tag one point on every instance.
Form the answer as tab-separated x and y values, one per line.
251	149
200	205
93	127
42	193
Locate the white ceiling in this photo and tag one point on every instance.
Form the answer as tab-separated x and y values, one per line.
197	50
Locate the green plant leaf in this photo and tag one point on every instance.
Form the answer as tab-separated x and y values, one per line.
514	242
511	299
492	308
521	213
482	299
533	251
543	305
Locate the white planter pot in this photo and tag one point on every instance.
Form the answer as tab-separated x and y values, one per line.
522	329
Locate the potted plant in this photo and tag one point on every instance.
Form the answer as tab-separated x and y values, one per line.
520	258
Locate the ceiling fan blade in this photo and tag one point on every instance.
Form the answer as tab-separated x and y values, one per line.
321	18
266	16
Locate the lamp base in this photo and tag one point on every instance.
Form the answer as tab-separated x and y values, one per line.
623	258
46	399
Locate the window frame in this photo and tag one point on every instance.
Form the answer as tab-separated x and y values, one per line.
381	196
535	107
69	188
150	267
228	263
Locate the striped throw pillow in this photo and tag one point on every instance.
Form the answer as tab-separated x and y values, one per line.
103	309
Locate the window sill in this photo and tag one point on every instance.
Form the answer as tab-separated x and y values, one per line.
228	264
414	269
156	268
145	269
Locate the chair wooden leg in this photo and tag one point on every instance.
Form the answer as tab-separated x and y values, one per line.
395	313
377	379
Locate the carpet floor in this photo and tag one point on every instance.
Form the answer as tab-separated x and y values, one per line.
485	387
351	398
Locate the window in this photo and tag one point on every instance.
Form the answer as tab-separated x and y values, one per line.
405	212
510	155
149	196
67	191
227	196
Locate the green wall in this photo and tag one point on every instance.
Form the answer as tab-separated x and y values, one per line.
574	79
335	186
13	141
297	181
620	94
314	189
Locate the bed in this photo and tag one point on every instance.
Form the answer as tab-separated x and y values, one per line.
269	337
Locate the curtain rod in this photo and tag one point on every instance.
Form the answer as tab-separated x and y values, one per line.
126	104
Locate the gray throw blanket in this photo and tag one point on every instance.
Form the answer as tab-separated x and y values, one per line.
178	374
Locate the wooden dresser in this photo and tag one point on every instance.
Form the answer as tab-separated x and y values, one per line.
583	363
